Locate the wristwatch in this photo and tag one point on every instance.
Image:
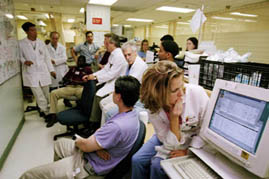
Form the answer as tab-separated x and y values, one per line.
95	78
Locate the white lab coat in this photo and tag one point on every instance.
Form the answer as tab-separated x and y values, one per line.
39	72
195	103
115	67
59	56
138	68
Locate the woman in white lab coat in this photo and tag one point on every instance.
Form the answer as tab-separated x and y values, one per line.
58	58
176	111
37	68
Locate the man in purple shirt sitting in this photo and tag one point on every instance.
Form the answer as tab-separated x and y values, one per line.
101	152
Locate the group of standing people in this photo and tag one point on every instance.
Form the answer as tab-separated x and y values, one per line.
175	109
44	67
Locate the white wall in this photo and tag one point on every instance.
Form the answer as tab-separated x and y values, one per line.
11	109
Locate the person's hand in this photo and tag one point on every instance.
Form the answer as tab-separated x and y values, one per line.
53	62
28	63
178	153
53	74
88	77
177	109
85	78
100	66
103	154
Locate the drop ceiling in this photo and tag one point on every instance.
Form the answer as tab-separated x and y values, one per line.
124	9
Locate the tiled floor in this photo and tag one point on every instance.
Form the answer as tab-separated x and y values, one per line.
34	145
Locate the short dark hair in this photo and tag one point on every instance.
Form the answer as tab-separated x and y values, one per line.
88	32
128	87
47	41
81	61
194	40
54	32
26	26
167	37
170	46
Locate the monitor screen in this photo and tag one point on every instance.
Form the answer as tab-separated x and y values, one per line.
239	119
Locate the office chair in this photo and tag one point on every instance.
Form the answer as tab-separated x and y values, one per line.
74	117
180	62
125	165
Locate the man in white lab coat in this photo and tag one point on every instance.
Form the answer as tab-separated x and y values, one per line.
136	68
58	58
115	67
36	66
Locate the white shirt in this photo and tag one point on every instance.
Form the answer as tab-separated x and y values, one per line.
39	72
138	68
115	67
59	56
195	102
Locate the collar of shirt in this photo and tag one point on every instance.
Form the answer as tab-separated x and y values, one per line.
115	51
33	43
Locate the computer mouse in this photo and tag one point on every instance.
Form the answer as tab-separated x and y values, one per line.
197	142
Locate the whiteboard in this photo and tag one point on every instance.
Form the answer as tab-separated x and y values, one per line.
9	52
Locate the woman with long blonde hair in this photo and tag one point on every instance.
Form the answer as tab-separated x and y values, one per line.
175	111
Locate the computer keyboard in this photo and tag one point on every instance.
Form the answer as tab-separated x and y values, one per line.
194	168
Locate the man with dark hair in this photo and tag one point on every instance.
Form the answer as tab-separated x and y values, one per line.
102	151
106	77
36	66
167	37
87	49
73	81
168	50
58	58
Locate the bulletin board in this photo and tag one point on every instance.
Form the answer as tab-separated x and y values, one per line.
9	50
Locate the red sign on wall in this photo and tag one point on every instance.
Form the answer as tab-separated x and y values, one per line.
96	20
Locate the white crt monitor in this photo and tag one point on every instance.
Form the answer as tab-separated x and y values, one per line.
236	124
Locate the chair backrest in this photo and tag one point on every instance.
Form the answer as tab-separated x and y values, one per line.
87	97
124	166
180	62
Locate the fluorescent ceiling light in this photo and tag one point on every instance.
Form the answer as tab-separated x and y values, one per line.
41	23
223	18
127	25
139	20
22	17
47	16
186	23
174	9
249	20
242	14
115	25
103	2
161	26
82	10
70	20
10	16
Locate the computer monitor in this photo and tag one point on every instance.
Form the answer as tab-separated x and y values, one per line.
236	124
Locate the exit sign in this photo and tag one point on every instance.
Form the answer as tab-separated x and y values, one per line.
96	20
